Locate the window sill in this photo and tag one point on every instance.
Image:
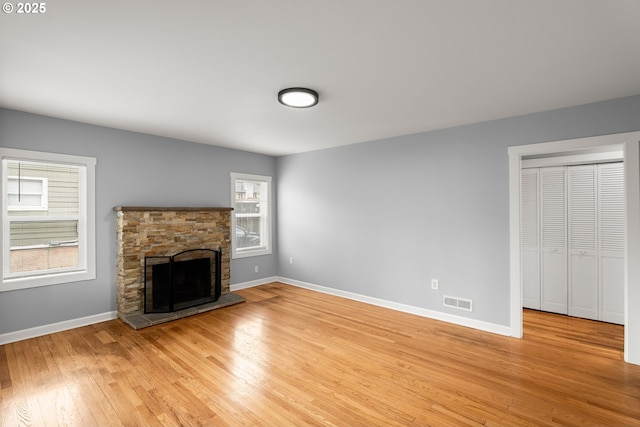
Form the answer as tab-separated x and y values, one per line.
250	253
13	284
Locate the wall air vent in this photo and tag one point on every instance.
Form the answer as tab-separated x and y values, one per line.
459	303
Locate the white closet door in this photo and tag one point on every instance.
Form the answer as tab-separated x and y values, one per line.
583	267
554	240
530	239
611	230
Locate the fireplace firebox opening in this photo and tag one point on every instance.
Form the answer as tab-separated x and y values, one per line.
187	279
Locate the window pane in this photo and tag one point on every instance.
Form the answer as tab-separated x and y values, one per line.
42	215
25	193
43	233
25	200
248	232
250	215
57	184
25	186
247	211
43	258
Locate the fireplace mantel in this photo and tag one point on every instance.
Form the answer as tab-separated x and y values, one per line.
145	231
168	208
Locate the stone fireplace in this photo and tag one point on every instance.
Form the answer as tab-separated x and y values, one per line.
163	232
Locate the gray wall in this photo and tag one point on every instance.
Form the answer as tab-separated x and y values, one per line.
379	218
382	218
132	169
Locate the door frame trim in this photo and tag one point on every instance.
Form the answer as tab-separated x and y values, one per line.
629	143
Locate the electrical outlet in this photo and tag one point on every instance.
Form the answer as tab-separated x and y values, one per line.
256	268
290	260
434	284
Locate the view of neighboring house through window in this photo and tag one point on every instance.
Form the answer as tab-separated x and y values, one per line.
48	225
251	215
28	193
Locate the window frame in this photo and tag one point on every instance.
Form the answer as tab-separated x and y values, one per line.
266	228
86	269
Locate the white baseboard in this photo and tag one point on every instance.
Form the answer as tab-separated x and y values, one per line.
431	314
253	283
52	328
39	331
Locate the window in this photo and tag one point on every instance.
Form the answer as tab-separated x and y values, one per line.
250	198
48	219
27	193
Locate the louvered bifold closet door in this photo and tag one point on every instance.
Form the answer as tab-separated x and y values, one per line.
582	221
553	240
530	238
611	233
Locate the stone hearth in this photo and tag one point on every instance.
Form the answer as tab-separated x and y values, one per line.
165	231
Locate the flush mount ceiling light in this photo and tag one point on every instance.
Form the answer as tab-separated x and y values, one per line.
298	97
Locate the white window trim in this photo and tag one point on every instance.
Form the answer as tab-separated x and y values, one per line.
264	250
629	143
86	224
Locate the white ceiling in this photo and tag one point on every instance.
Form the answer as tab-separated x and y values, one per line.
209	71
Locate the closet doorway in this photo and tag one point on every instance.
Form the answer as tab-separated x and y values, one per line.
572	235
629	145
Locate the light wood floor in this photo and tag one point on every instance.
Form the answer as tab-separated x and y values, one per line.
290	356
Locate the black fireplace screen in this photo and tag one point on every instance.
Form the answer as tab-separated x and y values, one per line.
184	280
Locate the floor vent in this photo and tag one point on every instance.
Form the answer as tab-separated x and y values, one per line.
459	303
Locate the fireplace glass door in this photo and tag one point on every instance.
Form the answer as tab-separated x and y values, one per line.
181	281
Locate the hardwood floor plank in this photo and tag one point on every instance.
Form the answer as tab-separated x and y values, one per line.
292	357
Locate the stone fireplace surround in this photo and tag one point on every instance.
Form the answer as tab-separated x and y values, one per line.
165	231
